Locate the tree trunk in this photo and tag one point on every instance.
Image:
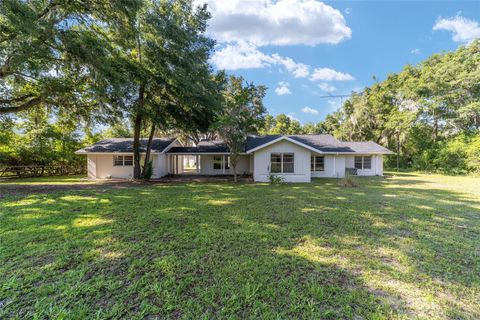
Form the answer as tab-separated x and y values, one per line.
137	170
149	148
233	163
398	151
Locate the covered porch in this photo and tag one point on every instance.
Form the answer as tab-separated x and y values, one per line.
206	164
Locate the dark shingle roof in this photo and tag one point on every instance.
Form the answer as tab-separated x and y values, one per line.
257	141
216	146
366	147
322	142
126	145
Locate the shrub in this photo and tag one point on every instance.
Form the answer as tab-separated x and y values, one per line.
473	155
349	181
148	171
275	179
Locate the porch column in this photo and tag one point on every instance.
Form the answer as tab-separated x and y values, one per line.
176	164
223	164
197	163
167	156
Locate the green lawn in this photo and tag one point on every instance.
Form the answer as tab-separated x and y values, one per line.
407	246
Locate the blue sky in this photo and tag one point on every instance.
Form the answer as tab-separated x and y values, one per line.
304	49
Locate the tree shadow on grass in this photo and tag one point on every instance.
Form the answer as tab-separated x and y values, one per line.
217	250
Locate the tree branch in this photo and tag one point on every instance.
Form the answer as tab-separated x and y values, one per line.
17	99
24	106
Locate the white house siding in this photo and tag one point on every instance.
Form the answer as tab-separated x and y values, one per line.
161	165
334	167
301	162
106	169
101	167
377	165
92	166
206	166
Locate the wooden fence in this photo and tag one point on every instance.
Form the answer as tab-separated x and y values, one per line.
40	171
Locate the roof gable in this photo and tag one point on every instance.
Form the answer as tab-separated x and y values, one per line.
322	143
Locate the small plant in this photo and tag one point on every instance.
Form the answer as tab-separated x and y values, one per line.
148	171
349	181
275	179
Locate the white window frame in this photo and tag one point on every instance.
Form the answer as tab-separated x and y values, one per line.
363	162
282	170
123	161
216	161
224	162
314	158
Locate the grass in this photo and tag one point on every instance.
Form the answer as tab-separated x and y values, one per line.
67	180
403	247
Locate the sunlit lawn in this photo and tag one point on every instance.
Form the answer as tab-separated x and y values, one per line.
403	247
47	180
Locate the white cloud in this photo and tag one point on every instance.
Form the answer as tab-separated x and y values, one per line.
291	116
348	10
299	70
464	30
270	22
282	88
415	51
309	110
327	74
326	87
246	56
240	56
242	26
334	104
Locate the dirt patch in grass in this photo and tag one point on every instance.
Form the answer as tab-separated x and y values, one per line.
19	187
10	189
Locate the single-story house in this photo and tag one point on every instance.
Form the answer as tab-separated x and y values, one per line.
297	158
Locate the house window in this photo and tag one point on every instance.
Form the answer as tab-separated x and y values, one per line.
122	161
282	162
288	162
217	162
367	162
363	162
276	162
317	163
358	162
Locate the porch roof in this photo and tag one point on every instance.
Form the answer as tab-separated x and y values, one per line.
202	147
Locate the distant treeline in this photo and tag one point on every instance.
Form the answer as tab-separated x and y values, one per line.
429	114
